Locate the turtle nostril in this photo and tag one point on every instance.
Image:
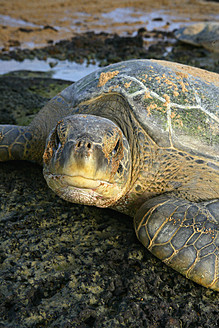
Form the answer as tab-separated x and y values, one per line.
78	144
83	144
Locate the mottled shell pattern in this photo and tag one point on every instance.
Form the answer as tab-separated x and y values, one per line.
177	105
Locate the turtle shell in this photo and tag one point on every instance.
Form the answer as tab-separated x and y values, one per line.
177	105
204	34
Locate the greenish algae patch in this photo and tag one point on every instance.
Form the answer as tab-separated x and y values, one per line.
194	122
155	108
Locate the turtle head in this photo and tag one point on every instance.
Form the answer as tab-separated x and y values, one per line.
87	160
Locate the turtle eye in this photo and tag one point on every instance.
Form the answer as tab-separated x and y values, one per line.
115	149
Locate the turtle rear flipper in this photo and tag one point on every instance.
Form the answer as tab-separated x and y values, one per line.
16	143
184	235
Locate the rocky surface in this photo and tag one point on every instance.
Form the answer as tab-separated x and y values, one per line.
105	48
64	265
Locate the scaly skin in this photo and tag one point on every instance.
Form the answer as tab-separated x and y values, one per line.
184	235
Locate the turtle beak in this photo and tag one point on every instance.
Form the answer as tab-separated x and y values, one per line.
83	161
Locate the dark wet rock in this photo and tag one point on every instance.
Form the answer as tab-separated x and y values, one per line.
110	48
26	30
103	47
48	27
194	56
64	265
29	91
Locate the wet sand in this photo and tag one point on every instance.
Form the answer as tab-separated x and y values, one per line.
31	23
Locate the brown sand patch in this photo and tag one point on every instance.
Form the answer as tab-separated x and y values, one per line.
67	17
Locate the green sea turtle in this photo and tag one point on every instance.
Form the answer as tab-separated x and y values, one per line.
205	34
140	137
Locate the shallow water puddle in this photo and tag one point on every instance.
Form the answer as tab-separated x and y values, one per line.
156	20
64	70
9	21
120	20
127	20
119	16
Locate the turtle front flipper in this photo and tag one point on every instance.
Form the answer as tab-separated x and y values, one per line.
184	235
16	143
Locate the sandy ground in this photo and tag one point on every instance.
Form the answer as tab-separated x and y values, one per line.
30	23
